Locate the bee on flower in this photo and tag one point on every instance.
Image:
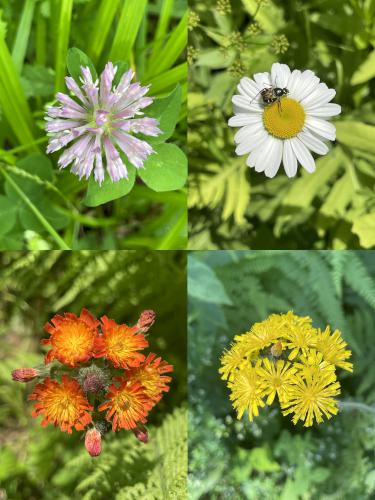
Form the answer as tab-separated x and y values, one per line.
96	378
285	359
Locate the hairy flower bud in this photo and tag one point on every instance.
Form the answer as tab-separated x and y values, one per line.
141	433
25	374
146	320
93	442
93	379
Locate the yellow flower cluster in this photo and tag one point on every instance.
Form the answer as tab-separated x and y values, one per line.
285	356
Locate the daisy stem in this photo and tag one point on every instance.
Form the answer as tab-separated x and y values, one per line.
353	405
60	242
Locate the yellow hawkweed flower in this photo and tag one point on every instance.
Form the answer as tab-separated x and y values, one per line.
333	349
312	397
247	392
232	360
261	335
312	363
277	377
286	356
299	333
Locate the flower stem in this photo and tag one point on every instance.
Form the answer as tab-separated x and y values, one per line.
354	405
61	243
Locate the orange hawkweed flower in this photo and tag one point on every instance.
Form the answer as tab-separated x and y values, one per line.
63	405
150	375
72	338
127	404
120	344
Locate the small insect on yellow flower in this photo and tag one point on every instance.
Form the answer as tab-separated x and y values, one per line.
285	356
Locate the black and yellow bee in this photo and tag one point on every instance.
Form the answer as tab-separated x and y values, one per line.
271	95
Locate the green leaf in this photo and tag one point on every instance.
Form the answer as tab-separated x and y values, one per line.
8	214
166	110
37	81
366	71
31	222
63	18
356	135
203	284
364	228
166	170
75	59
108	191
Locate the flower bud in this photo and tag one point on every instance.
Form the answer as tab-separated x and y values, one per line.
25	374
146	320
93	442
141	433
93	379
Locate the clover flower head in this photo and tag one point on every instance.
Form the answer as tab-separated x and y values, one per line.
284	356
101	119
283	127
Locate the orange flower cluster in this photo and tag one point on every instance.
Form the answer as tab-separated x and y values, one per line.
108	373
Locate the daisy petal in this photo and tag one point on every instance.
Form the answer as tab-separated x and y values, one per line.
321	127
294	80
275	160
242	104
280	74
262	80
308	83
248	87
318	97
289	159
246	133
326	110
243	119
313	143
268	149
251	142
253	156
303	155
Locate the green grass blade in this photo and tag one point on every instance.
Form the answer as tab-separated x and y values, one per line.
103	23
60	242
169	54
163	23
139	48
63	32
12	99
23	33
169	79
130	20
173	236
40	40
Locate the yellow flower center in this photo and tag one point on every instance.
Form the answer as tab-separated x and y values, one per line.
284	120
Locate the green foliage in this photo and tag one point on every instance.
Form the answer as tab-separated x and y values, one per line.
233	207
270	457
41	42
36	285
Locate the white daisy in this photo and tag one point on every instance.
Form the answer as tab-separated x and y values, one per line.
284	131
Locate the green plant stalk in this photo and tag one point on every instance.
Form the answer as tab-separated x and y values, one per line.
23	34
12	99
169	54
139	52
172	237
25	147
40	40
130	20
101	28
60	242
163	23
62	42
170	78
